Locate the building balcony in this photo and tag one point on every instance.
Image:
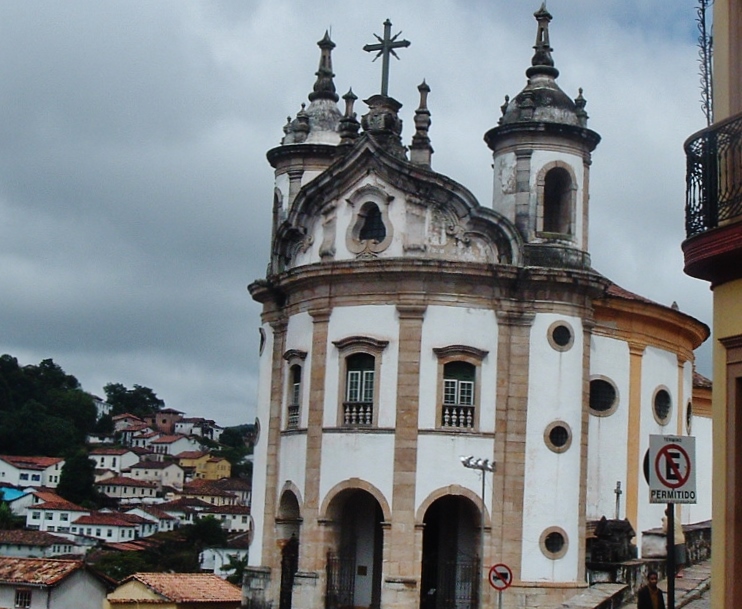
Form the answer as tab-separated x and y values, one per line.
713	202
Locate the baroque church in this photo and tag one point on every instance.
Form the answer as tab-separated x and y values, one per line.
447	384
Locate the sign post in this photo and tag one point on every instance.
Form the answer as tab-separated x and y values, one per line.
672	479
500	578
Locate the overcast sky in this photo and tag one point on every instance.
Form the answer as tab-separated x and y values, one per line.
135	196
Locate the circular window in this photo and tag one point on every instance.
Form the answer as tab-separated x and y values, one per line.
561	336
689	418
553	542
662	406
558	436
603	397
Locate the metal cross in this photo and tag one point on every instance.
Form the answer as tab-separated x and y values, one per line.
385	48
618	492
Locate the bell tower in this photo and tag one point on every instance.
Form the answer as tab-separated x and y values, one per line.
541	159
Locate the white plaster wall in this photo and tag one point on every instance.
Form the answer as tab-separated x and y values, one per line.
376	321
261	448
444	326
503	192
439	465
369	457
659	368
607	447
701	429
292	463
299	336
282	184
543	157
552	481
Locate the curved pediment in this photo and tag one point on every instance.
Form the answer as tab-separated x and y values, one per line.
370	204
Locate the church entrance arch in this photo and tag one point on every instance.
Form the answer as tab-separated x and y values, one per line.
288	524
451	562
354	562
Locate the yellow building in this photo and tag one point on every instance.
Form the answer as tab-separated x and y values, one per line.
204	466
713	252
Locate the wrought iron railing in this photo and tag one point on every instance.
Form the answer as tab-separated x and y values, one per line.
293	416
713	179
452	584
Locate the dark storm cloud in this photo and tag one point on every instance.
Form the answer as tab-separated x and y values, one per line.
135	195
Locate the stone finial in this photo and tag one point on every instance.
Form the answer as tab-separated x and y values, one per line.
542	62
349	124
383	125
324	86
421	150
580	103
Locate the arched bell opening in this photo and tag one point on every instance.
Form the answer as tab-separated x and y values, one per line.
451	562
354	563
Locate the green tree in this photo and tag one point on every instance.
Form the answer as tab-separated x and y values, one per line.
77	479
119	565
104	424
140	401
237	565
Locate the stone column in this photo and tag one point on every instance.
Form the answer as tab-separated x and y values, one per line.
400	586
636	353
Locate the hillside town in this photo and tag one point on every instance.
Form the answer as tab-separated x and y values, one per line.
153	475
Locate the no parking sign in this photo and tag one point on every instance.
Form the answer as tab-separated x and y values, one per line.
672	471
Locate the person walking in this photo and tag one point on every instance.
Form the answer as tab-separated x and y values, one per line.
650	596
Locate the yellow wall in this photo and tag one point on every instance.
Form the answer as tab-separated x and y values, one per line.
727	322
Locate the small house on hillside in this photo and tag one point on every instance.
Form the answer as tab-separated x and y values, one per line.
174	591
39	583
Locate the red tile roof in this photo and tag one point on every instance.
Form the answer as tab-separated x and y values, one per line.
168	439
59	505
126	415
36	571
111	519
191	454
36	463
187	588
124	481
701	381
229	509
22	537
109	451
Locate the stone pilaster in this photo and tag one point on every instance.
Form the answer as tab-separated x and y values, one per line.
636	353
401	551
271	553
513	355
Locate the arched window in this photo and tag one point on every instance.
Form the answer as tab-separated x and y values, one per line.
359	387
295	359
557	201
458	384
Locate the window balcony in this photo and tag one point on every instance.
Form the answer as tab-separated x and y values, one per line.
713	202
358	414
457	416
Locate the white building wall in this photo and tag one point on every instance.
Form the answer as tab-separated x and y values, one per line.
369	457
659	369
444	326
607	447
701	429
380	322
261	448
552	481
291	468
439	464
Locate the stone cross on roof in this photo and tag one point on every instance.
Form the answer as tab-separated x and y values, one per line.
386	47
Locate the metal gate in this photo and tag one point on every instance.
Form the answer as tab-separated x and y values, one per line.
289	566
341	572
456	584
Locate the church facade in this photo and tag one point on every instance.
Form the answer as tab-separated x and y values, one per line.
408	330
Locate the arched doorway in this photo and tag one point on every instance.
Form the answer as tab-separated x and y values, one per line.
288	524
451	562
354	565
